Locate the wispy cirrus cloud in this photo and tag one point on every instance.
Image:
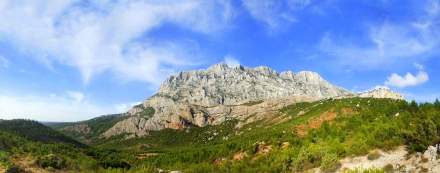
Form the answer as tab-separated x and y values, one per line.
387	42
113	36
4	63
275	13
231	61
69	106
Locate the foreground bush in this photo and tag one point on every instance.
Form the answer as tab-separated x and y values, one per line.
51	161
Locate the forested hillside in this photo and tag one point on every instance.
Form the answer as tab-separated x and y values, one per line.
30	146
302	137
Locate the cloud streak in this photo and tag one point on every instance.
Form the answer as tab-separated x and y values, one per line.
387	42
407	80
71	106
4	63
109	36
274	13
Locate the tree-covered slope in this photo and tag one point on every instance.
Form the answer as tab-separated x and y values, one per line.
304	136
36	131
28	146
88	131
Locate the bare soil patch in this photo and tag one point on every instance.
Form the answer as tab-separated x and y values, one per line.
315	123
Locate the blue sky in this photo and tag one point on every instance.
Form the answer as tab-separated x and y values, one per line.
66	60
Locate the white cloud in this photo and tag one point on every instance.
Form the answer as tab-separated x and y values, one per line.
109	35
275	13
4	63
407	80
124	107
76	96
387	42
68	106
231	61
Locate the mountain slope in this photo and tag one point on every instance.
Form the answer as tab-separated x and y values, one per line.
36	131
304	136
28	146
88	131
213	96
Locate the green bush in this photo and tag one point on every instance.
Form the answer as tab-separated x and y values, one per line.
51	161
330	162
4	157
373	155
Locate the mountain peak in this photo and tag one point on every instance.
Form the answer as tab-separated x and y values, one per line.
381	92
212	96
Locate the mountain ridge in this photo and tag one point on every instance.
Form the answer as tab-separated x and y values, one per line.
222	92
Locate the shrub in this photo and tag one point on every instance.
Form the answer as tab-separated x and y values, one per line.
388	168
360	170
373	155
51	161
3	157
330	162
14	169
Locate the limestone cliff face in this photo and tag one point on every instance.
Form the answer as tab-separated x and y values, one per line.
381	92
212	96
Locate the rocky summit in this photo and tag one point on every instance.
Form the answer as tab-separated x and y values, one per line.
222	92
381	92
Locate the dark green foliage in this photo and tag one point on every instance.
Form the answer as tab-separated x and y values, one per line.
97	125
146	112
14	169
109	158
373	155
51	153
360	125
388	168
51	161
35	131
101	124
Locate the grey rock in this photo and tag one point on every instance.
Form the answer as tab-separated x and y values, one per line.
220	93
78	128
381	92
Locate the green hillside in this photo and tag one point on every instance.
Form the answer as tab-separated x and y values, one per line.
36	131
97	126
30	146
307	135
302	137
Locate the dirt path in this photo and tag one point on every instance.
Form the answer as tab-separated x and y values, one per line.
2	169
392	157
397	159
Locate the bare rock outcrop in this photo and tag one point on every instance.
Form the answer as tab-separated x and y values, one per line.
381	92
212	96
78	128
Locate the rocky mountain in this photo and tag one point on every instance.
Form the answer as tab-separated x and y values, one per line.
215	95
381	92
212	96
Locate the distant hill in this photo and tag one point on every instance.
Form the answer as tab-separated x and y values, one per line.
36	131
89	130
29	146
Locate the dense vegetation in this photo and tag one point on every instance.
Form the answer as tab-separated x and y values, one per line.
305	136
311	135
97	126
35	131
29	144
